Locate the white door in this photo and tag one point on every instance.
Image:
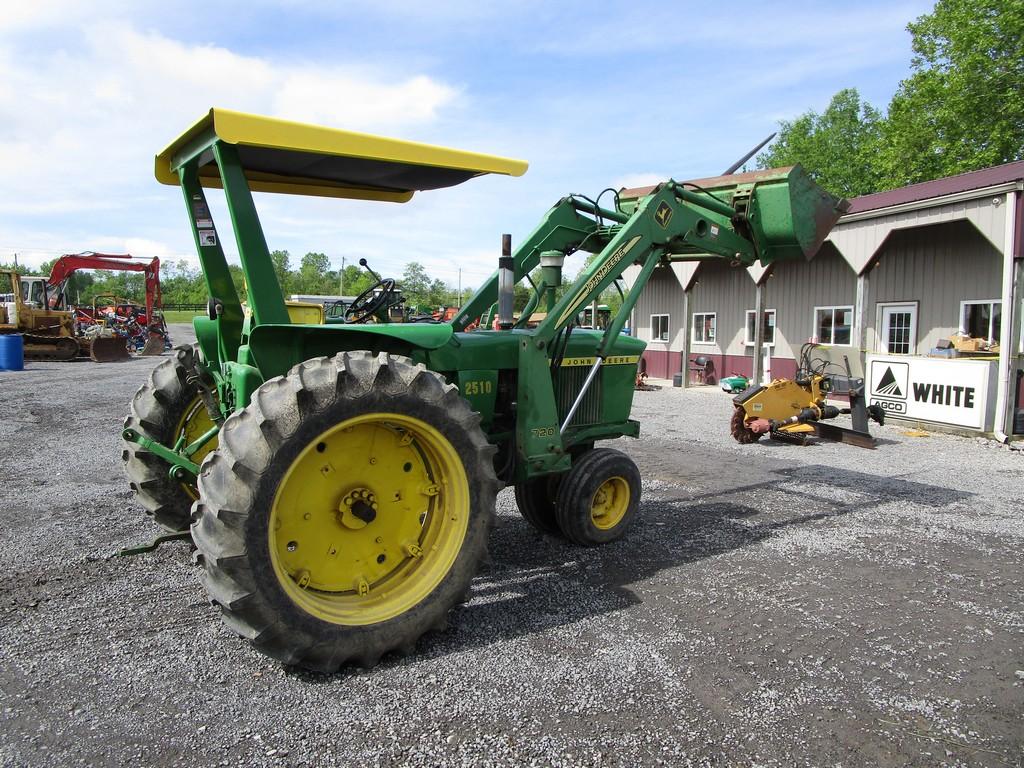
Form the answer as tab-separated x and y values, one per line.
898	334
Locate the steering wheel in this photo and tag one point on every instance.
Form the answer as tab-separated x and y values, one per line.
366	303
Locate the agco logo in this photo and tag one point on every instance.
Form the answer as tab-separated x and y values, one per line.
889	386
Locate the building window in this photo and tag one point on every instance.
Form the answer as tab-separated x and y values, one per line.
659	327
898	323
767	327
833	325
981	319
704	327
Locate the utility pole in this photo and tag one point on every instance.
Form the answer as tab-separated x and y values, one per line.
341	277
460	287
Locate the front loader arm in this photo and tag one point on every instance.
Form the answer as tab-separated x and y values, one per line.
667	222
563	229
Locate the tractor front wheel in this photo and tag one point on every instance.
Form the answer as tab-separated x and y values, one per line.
599	497
166	409
346	510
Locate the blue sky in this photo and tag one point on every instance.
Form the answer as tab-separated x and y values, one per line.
591	94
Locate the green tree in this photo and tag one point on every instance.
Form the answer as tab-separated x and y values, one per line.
439	294
356	281
415	284
312	277
838	147
963	107
282	268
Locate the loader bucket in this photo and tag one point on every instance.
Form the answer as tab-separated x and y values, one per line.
789	214
108	349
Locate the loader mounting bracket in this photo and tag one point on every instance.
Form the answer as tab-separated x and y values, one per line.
178	462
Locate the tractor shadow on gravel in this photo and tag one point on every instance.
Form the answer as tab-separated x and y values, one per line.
535	583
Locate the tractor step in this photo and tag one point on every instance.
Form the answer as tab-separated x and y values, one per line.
142	549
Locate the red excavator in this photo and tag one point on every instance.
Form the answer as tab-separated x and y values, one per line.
106	330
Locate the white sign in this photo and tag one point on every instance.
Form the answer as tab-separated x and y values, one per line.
954	392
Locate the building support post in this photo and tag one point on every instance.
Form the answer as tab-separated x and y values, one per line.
1009	341
684	361
860	319
755	379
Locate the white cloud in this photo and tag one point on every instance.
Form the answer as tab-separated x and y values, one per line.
82	123
338	98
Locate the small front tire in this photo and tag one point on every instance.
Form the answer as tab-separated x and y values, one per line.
599	498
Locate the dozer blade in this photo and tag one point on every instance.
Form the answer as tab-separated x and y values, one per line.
843	435
108	349
154	345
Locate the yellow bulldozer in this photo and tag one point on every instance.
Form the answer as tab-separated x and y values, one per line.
49	333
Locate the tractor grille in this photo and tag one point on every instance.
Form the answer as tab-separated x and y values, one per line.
570	381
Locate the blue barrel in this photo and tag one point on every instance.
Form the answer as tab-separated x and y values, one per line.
12	352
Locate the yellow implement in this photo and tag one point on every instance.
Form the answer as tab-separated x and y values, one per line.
295	158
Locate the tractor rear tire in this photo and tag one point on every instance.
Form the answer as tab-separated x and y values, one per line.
599	498
537	502
345	511
163	409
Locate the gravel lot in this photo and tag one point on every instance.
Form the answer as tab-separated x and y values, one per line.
775	605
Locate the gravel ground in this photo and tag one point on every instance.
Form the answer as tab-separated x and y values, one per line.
775	605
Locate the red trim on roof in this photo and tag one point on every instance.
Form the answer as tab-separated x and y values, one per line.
951	185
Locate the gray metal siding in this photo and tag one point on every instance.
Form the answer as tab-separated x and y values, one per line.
795	288
858	240
661	296
938	267
728	292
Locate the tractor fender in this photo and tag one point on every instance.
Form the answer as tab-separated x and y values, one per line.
276	348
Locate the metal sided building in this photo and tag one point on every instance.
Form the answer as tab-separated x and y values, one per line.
901	271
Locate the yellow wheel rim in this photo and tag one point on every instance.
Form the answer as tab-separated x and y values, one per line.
193	424
369	519
610	503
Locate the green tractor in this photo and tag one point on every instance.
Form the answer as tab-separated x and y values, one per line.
338	480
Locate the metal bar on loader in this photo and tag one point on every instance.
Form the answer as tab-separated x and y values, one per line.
613	330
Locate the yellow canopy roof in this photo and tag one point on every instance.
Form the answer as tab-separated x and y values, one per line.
296	158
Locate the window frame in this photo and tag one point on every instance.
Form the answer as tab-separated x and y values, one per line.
693	329
992	303
880	341
835	307
746	326
668	324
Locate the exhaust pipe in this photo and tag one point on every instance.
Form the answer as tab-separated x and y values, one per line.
506	284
